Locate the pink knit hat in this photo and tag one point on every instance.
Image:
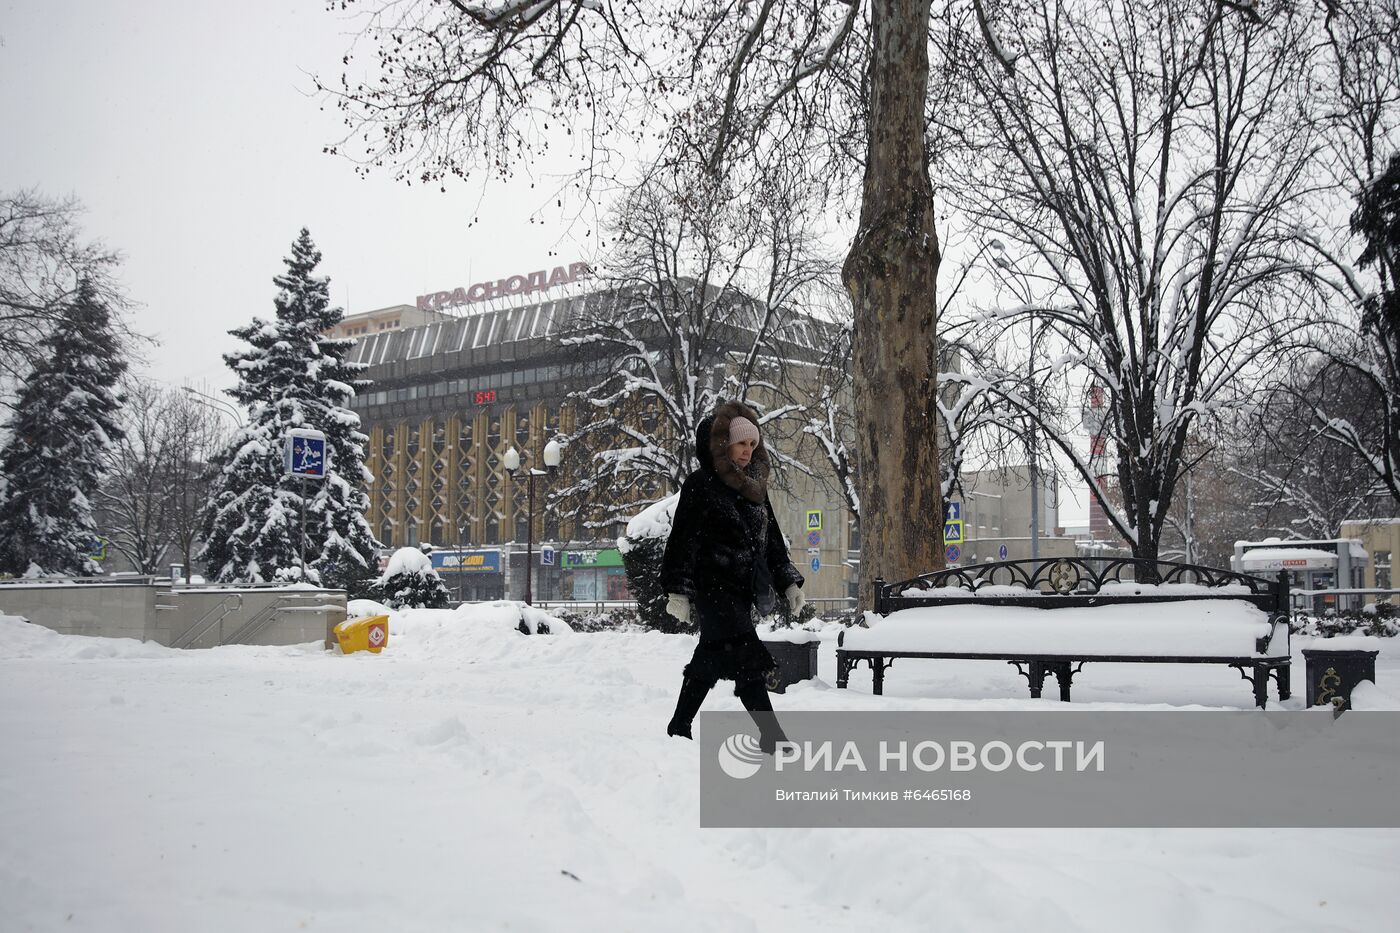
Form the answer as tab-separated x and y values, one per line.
742	429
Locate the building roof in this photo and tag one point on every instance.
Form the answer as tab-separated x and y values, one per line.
522	323
1267	558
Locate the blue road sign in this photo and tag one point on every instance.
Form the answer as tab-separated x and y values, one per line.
953	552
547	557
954	512
1001	552
816	564
814	538
304	454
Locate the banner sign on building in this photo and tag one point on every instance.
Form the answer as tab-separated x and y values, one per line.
453	561
606	557
512	285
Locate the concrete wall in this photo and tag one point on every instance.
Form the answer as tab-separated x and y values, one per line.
164	615
118	610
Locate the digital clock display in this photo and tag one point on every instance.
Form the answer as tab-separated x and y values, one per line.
486	396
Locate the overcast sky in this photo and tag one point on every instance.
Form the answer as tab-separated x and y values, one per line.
189	130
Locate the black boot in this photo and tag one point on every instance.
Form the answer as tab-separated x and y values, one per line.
693	693
754	696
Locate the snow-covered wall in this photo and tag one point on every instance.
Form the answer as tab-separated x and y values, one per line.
162	615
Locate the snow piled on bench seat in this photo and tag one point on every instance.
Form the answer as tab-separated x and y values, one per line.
1190	628
1114	589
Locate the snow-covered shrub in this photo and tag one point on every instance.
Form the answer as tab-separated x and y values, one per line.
619	619
293	574
642	562
1380	619
410	582
642	547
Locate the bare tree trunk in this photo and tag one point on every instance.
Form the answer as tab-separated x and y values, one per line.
891	275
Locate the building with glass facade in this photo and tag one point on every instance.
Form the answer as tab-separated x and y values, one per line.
451	396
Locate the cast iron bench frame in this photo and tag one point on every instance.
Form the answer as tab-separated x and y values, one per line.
1071	581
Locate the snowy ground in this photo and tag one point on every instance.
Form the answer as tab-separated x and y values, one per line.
472	778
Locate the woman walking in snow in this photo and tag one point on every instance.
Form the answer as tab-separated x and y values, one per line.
723	561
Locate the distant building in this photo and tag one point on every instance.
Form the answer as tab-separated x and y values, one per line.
394	317
1381	538
452	392
997	511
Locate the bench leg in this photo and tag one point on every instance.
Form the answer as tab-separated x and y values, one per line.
1281	674
1258	677
1035	676
1064	676
877	668
843	669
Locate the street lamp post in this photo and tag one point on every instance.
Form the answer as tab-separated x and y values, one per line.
216	404
512	463
461	571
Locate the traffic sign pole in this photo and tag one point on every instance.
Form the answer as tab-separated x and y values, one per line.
301	542
305	456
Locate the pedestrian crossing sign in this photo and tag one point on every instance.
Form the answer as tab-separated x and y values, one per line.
953	532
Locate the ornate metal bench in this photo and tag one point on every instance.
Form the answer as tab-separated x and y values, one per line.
1257	650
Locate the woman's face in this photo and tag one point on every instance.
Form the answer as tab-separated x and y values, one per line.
741	453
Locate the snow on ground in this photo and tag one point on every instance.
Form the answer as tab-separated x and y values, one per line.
474	778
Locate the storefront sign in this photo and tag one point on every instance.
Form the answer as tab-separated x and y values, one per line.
467	561
607	557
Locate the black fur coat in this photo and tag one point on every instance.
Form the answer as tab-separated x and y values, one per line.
725	551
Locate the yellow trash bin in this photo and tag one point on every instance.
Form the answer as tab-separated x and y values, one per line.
368	634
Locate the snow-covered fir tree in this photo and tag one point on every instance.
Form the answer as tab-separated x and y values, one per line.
410	582
292	376
62	427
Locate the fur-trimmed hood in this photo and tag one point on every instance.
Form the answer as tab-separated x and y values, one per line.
712	450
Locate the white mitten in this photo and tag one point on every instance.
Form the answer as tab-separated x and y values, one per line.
795	599
678	606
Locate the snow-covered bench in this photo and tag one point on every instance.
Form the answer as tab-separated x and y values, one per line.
1055	616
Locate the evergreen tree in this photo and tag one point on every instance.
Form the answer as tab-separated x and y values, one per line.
292	376
410	582
62	427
